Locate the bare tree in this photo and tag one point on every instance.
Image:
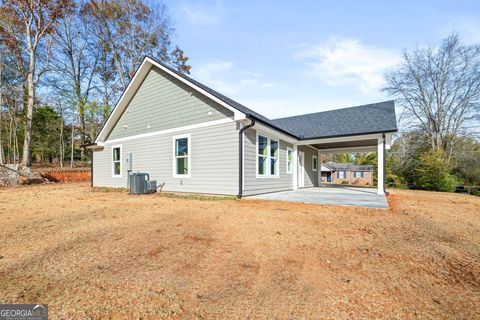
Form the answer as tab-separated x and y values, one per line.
74	64
439	89
25	29
133	30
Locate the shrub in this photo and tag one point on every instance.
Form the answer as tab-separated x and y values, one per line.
396	181
434	173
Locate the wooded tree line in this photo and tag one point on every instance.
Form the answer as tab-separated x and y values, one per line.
64	64
438	92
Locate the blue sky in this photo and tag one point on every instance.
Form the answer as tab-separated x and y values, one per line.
283	58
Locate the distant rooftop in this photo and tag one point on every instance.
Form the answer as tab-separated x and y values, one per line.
334	166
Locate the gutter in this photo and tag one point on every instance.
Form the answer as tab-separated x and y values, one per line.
240	153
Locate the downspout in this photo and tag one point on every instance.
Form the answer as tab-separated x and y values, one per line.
240	153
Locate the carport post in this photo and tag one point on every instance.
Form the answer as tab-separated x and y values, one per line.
381	165
295	167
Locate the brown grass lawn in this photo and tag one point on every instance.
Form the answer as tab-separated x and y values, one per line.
92	254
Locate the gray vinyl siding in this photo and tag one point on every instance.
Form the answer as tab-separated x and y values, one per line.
254	185
311	177
213	156
163	102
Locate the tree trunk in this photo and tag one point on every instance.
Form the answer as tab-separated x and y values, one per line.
29	116
72	142
62	143
81	112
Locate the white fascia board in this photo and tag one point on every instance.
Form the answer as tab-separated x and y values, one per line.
341	139
276	133
135	84
349	149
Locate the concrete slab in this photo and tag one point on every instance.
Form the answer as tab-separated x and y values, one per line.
338	195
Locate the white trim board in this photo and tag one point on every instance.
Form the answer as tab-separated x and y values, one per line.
172	130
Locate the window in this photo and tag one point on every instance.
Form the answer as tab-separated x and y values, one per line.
289	160
267	156
117	161
181	159
358	174
341	174
314	163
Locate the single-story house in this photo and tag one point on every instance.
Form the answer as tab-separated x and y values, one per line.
194	139
349	173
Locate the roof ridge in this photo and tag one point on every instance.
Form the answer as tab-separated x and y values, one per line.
338	109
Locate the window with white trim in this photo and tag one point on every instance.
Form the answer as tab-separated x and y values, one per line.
314	163
341	174
289	160
268	150
358	174
117	161
181	156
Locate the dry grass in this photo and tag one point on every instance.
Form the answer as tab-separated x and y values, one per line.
93	255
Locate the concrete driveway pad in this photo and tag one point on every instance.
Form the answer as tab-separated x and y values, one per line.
338	195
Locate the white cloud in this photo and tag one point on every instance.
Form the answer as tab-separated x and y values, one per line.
468	29
200	17
223	77
213	73
344	61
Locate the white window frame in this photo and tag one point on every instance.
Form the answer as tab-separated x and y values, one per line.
355	174
119	146
286	161
189	156
313	162
269	157
345	174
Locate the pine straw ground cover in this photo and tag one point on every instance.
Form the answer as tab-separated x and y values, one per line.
92	254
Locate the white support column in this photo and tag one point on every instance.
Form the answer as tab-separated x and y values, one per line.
295	167
319	169
381	165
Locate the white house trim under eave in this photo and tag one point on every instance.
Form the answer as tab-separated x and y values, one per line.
135	83
172	130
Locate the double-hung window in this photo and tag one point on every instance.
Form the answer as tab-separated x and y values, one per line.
289	160
358	174
117	161
181	156
341	174
268	150
314	163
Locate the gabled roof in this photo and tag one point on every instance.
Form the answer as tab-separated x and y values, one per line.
372	118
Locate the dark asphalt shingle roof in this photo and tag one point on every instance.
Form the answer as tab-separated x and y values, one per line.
371	118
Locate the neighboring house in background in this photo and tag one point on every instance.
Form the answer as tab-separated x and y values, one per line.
194	139
349	173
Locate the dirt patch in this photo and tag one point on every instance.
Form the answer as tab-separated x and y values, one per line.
67	175
91	254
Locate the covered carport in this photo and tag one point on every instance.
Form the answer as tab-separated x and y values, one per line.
367	128
379	142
